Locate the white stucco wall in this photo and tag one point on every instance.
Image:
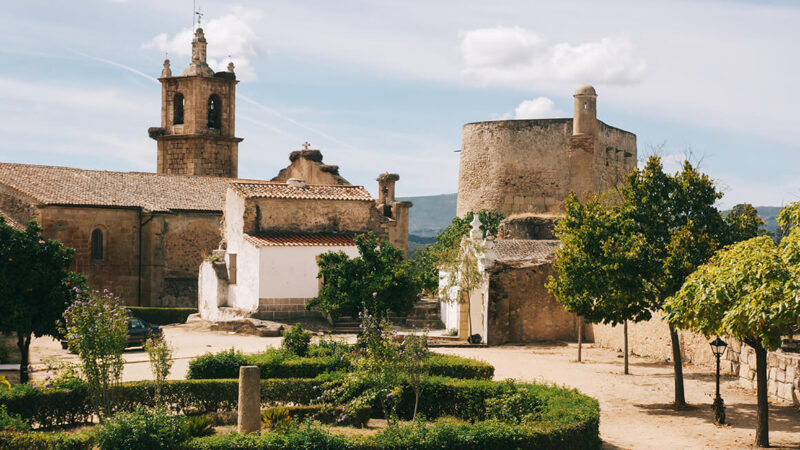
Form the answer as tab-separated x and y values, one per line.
244	294
291	272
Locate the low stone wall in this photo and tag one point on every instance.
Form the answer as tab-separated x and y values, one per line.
651	339
783	371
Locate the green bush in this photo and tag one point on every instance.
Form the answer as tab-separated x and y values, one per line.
199	426
277	363
11	420
47	441
562	418
296	340
66	404
161	316
5	354
143	429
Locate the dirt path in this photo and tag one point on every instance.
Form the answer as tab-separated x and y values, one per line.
635	410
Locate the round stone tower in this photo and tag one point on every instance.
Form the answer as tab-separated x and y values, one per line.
531	166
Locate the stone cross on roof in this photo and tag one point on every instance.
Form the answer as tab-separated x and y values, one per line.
306	145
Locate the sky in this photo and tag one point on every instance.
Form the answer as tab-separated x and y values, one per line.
387	85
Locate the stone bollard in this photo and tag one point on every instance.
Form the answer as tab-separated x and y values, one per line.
249	400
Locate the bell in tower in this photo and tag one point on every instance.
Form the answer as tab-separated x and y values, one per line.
196	136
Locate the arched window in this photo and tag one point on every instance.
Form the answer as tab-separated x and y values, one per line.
214	112
97	245
177	109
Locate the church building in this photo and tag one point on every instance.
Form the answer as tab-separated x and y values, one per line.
143	236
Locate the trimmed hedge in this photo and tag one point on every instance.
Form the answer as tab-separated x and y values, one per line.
47	441
161	316
283	364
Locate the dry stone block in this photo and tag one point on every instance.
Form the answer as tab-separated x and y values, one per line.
249	400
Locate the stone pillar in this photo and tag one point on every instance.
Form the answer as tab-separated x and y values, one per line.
249	400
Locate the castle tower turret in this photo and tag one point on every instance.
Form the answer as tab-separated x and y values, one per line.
585	116
196	136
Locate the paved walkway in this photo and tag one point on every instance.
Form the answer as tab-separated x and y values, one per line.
635	410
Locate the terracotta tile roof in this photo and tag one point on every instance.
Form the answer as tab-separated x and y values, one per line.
270	189
287	239
518	250
11	222
51	185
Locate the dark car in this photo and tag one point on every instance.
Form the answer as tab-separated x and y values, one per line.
138	332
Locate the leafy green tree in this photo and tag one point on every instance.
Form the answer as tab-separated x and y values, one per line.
427	261
749	291
379	279
662	228
596	265
35	286
744	223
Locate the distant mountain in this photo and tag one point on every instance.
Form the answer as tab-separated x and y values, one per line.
430	214
770	215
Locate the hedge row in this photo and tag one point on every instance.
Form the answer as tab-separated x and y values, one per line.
161	316
47	441
281	364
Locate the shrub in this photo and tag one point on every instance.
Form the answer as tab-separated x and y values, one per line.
47	441
160	355
4	354
296	340
199	426
275	363
515	406
96	328
275	417
331	347
142	429
11	421
161	316
224	364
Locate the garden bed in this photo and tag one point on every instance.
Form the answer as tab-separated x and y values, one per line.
458	413
276	363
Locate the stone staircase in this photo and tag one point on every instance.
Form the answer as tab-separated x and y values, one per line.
424	315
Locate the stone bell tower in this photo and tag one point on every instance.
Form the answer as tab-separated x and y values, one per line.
196	136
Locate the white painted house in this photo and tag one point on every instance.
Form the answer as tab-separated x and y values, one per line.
273	234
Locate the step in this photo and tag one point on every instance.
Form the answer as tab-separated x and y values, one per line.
434	324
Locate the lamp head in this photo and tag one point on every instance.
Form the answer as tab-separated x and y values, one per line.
718	346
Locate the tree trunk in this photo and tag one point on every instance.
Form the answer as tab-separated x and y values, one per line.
23	343
677	362
762	423
580	336
416	404
625	328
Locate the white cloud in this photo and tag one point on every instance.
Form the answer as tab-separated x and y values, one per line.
515	55
537	108
91	98
231	37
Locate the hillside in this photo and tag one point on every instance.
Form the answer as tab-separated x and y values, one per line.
430	214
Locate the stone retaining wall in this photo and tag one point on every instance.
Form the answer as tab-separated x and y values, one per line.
783	371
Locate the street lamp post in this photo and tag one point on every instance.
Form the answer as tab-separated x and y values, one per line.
718	348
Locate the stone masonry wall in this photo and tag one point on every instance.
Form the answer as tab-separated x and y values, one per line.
118	270
521	309
651	339
19	206
530	166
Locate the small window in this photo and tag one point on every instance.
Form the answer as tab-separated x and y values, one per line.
177	109
585	106
97	245
214	112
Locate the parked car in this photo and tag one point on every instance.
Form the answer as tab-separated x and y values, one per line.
138	332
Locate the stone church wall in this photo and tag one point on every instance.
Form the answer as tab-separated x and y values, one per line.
118	270
309	215
19	206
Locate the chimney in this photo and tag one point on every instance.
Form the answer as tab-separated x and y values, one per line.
296	183
386	188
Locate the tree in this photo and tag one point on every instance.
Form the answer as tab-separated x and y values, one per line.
748	291
744	223
35	287
379	279
428	260
658	231
96	328
596	265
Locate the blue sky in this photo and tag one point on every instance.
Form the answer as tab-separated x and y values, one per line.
387	85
